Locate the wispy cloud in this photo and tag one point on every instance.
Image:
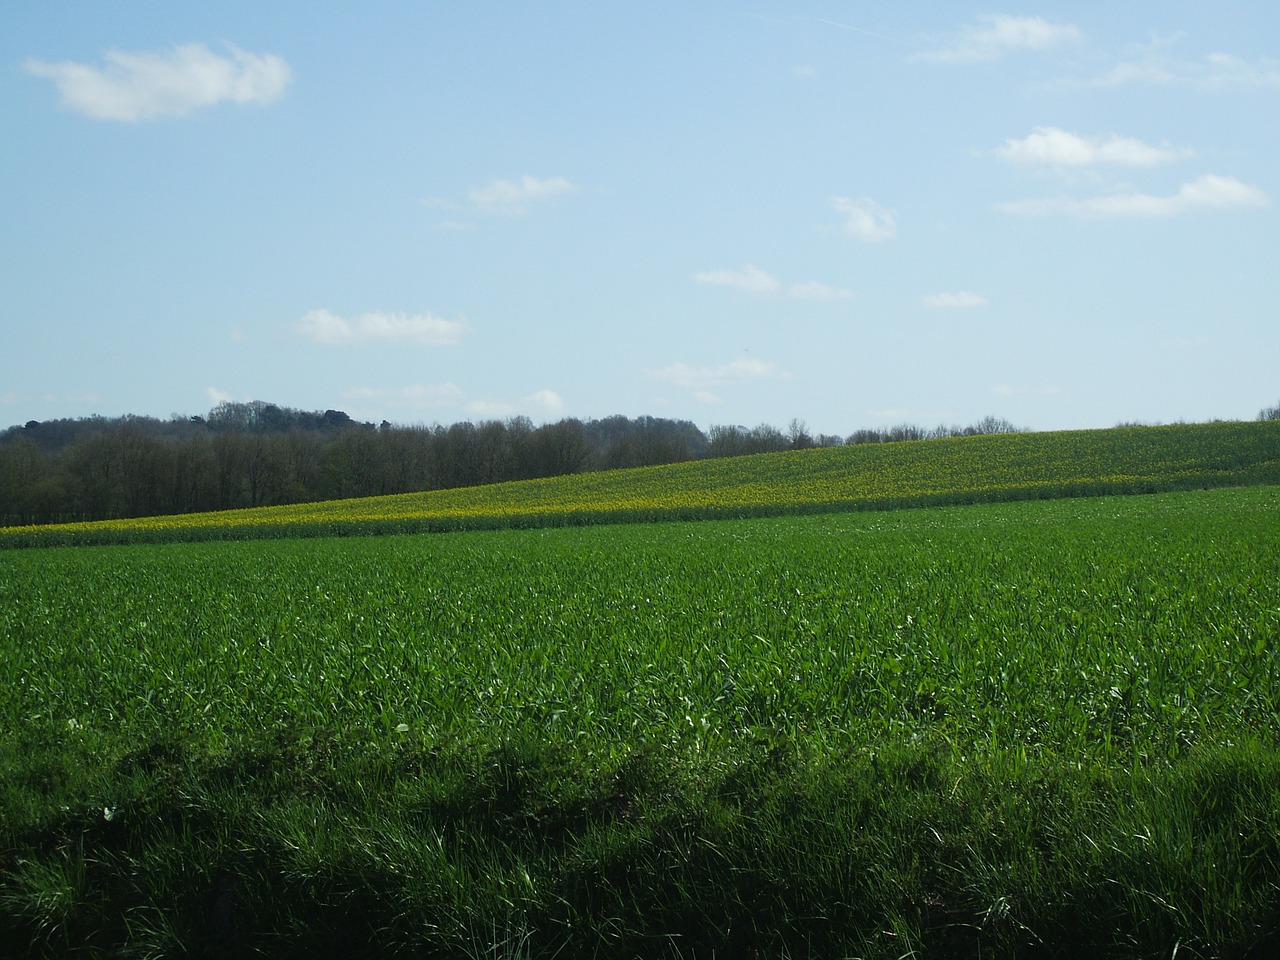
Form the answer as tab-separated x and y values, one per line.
514	197
816	290
749	279
541	403
1209	192
421	330
1155	64
996	34
547	401
958	300
866	220
1021	389
1225	70
144	86
735	372
217	396
428	397
418	396
1055	147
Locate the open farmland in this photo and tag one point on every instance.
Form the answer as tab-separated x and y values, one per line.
1040	727
956	470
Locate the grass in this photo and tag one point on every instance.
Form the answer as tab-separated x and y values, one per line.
1041	728
863	853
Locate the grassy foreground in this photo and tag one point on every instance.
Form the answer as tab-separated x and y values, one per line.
1045	728
958	470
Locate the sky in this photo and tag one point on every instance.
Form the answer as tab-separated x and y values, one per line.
852	214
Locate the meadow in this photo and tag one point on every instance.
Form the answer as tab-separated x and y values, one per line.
1045	728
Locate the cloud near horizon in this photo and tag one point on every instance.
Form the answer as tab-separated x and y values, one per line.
417	395
436	396
701	378
513	198
542	402
421	330
1056	147
172	83
1209	192
996	34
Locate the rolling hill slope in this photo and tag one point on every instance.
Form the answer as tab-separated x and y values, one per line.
871	476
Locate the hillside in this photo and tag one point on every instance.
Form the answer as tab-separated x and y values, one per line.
954	470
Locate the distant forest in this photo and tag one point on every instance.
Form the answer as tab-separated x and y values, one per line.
256	454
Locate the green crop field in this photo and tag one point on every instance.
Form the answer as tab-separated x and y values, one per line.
1039	728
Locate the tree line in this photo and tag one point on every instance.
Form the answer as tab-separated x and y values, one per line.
257	454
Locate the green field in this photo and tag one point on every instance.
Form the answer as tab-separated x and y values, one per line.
1040	728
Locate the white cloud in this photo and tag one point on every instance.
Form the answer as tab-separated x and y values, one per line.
1209	192
513	197
866	220
959	300
143	86
737	371
1050	145
422	330
816	290
217	396
750	279
996	34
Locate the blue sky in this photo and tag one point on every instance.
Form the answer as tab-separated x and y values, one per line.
853	214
